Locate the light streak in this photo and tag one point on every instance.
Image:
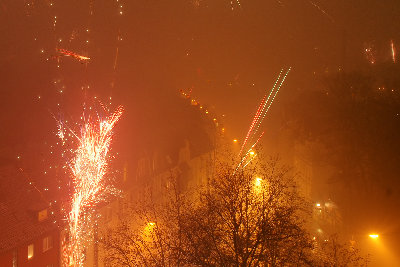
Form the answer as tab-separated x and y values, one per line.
89	167
249	161
72	54
249	152
116	58
393	51
322	10
273	98
262	111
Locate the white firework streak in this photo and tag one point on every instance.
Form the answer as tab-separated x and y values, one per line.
89	167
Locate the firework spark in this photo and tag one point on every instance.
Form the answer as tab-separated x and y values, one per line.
235	2
369	51
89	167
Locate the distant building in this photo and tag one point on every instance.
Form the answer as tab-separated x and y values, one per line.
315	183
29	233
153	172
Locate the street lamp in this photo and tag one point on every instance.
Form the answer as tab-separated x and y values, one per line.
374	236
258	182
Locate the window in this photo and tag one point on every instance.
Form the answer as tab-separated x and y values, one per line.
42	215
47	243
30	251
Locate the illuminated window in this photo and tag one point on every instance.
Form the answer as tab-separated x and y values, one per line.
30	251
47	243
42	215
15	258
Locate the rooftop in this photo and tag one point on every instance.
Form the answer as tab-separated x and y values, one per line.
20	204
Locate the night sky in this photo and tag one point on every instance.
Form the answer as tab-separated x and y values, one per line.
142	53
204	45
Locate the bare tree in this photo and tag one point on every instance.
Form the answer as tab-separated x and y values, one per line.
149	232
333	252
251	217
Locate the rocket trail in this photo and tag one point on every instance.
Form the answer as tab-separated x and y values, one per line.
261	112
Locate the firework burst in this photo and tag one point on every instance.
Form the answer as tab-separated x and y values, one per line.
89	167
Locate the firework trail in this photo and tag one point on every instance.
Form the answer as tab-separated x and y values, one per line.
262	111
89	167
72	54
323	11
393	51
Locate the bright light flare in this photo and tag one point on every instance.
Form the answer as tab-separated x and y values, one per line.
374	236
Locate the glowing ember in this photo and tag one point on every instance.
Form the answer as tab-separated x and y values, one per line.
89	167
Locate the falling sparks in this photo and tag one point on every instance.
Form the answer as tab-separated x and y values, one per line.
60	131
369	51
89	167
235	2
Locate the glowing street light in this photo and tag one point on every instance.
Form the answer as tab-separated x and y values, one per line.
149	231
374	236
